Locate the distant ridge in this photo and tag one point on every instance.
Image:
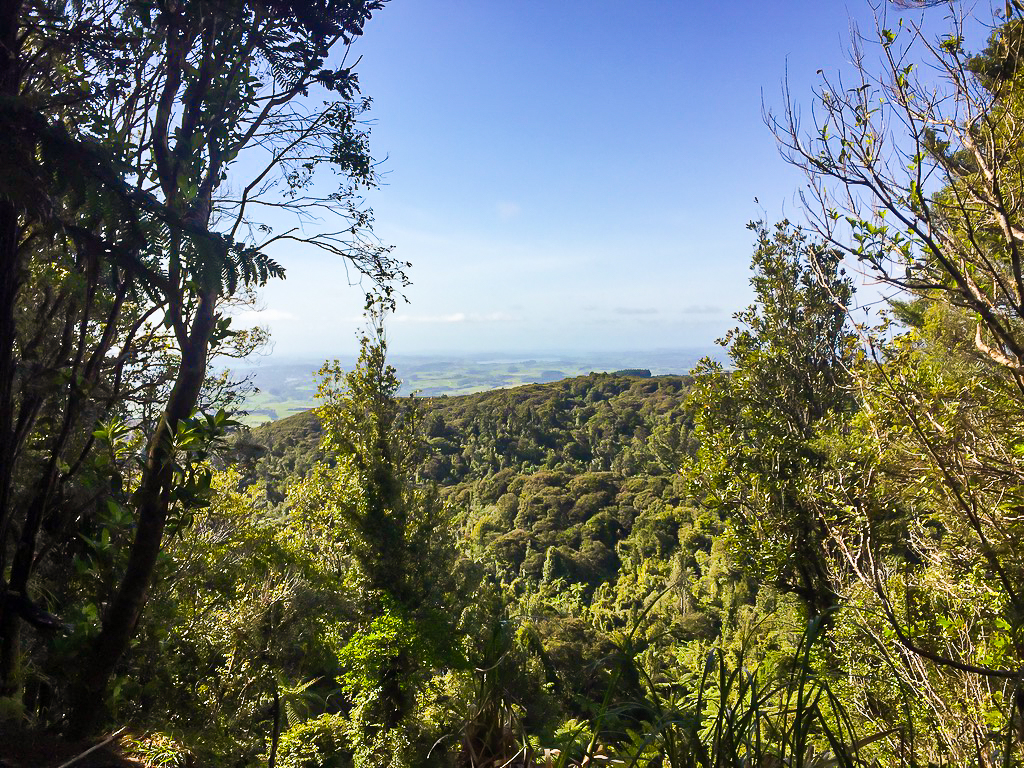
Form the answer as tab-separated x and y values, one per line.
590	422
286	388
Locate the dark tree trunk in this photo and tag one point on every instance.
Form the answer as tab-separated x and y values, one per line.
153	499
10	284
10	280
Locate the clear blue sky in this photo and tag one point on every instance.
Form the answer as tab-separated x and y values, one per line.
569	175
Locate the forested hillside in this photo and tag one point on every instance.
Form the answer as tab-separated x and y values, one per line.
568	505
545	476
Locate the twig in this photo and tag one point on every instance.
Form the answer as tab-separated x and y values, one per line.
113	737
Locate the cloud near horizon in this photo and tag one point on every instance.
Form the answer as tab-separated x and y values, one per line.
263	316
457	317
635	311
701	309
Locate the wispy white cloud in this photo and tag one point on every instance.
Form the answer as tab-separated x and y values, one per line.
508	210
457	317
635	311
263	316
700	309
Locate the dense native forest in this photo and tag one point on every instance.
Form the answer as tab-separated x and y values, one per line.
808	554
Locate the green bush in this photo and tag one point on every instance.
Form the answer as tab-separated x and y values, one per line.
317	743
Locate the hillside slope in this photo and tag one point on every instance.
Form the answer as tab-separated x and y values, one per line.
541	477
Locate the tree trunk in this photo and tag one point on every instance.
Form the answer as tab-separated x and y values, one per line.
153	499
10	284
10	280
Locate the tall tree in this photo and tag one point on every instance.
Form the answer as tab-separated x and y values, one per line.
128	121
228	78
75	315
917	172
757	424
401	537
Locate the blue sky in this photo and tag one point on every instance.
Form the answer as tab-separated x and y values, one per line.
569	175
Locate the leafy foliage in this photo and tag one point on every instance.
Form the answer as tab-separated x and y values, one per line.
759	426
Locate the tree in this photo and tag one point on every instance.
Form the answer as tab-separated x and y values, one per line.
75	320
401	538
128	122
758	424
916	172
934	209
928	550
239	642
